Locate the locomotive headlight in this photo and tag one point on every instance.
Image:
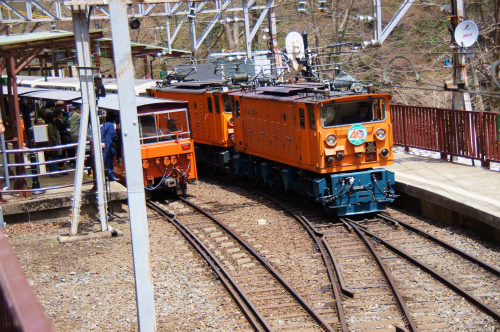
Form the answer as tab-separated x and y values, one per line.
380	134
231	121
331	140
384	153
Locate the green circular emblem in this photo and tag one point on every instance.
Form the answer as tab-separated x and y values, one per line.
357	134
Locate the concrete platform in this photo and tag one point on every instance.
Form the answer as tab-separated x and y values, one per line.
449	192
56	203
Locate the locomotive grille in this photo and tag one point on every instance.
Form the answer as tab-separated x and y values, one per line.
275	140
287	139
279	141
267	140
254	141
202	119
261	136
291	135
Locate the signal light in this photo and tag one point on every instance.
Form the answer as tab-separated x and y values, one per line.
186	146
134	23
384	153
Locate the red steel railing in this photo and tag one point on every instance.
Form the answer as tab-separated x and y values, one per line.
20	310
451	132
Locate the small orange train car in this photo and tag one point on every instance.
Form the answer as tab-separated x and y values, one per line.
167	148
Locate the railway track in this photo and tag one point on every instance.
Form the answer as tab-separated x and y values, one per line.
373	275
468	276
266	300
371	285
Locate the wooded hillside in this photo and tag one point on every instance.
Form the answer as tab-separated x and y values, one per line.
422	36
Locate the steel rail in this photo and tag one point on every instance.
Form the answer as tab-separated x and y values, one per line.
324	251
242	301
448	246
456	288
343	287
392	284
275	274
321	245
314	234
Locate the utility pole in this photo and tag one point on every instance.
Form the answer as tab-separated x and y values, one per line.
460	100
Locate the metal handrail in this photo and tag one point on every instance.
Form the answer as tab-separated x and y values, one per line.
34	165
20	310
468	134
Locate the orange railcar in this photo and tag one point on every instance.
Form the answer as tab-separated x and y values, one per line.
167	148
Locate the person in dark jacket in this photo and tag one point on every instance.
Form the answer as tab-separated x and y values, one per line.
108	137
63	134
54	140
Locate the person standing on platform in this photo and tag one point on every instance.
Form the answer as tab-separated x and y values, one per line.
63	134
74	129
108	137
54	140
49	107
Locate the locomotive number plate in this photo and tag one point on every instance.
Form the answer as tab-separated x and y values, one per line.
357	134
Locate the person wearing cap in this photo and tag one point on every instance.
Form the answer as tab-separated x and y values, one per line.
66	115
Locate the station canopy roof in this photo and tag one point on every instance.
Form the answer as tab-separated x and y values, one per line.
106	49
24	43
46	42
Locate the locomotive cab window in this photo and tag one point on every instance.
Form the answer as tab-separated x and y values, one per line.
209	105
226	101
217	104
312	119
236	111
302	118
339	114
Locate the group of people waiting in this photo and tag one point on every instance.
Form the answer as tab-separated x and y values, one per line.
63	128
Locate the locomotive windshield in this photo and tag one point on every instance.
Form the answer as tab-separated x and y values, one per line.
163	126
360	111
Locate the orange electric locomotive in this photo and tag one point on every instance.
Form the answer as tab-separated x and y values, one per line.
211	117
325	145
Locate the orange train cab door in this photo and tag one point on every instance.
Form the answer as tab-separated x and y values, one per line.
210	118
303	134
198	118
219	119
312	126
238	123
